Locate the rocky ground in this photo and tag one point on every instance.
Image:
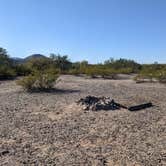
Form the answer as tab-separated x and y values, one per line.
51	129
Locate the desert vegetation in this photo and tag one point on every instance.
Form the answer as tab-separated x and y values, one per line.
6	66
39	70
155	71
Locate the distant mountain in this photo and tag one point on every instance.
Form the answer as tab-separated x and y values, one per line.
18	60
35	56
23	60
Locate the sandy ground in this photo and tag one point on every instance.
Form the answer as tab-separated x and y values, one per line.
50	129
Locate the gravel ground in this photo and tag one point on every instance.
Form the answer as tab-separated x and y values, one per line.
50	129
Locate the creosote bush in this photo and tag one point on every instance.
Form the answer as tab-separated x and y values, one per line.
38	81
155	72
95	71
6	72
162	77
6	65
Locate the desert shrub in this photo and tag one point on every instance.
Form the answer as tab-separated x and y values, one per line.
6	65
108	73
162	76
139	79
79	68
126	70
124	66
152	72
22	70
162	79
27	82
95	71
38	64
7	72
74	72
38	81
61	62
92	71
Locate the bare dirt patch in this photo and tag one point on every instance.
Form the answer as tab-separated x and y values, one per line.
50	129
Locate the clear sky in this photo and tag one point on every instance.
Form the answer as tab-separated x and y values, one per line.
93	30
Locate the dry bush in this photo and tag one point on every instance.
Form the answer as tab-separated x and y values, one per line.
38	81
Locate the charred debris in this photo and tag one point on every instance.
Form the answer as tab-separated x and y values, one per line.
93	103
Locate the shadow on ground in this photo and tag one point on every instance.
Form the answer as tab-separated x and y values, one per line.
55	90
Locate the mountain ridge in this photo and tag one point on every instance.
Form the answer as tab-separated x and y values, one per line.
18	60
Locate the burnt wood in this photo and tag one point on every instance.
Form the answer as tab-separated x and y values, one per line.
141	106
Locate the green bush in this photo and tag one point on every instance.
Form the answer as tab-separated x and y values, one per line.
27	82
95	71
7	73
38	81
124	66
74	72
162	77
22	70
6	65
152	72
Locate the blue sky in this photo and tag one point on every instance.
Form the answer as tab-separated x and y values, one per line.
93	30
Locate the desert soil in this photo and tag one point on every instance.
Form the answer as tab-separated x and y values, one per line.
50	129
